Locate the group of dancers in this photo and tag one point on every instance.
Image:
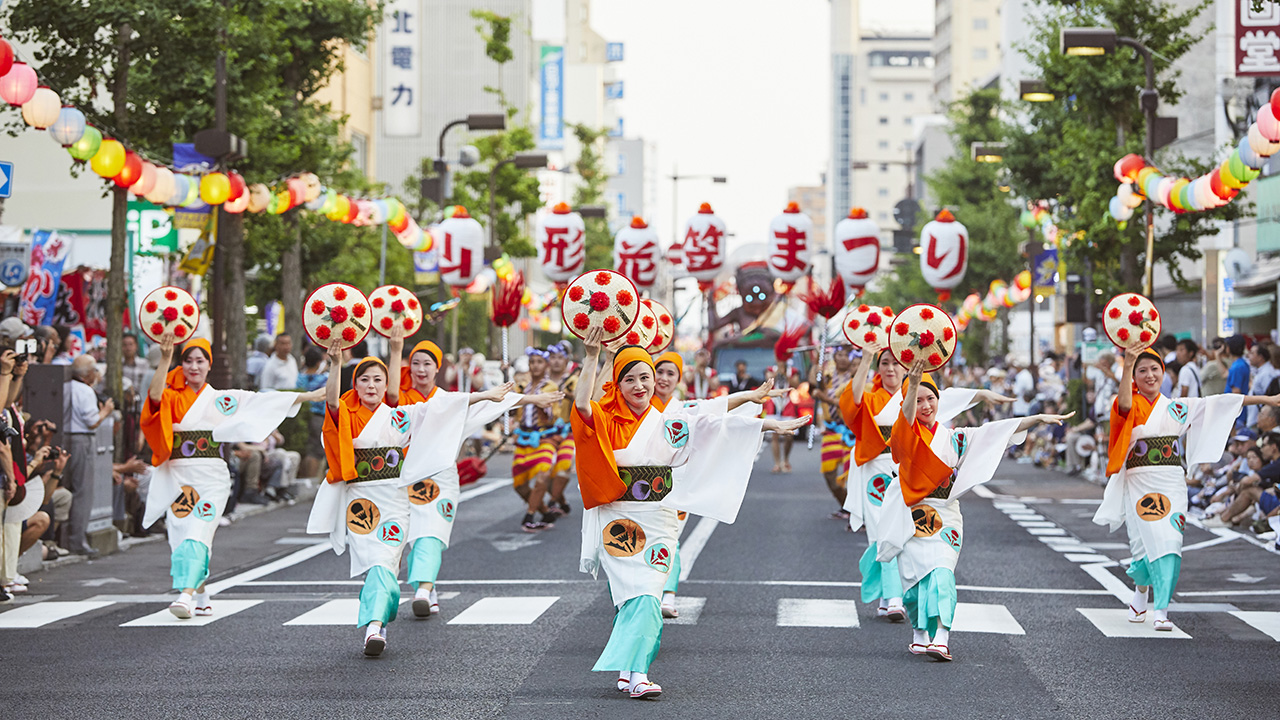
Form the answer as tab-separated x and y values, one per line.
645	460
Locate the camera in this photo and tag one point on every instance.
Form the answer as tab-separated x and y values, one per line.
24	347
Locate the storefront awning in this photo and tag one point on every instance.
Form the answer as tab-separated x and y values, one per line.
1251	306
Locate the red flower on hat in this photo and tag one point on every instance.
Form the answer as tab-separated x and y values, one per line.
1115	313
935	360
624	298
408	323
870	337
339	293
603	278
873	319
1123	334
413	304
1134	301
397	306
599	301
179	332
322	332
576	292
927	338
947	334
1135	318
863	308
386	323
157	329
612	325
317	307
901	328
633	338
150	306
338	314
853	323
170	314
887	310
908	356
1145	336
188	310
1154	315
581	321
358	310
393	291
926	314
170	295
349	334
666	319
648	322
378	303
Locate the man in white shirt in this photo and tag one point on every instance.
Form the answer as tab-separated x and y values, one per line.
81	416
258	357
1188	373
280	371
1259	356
1024	388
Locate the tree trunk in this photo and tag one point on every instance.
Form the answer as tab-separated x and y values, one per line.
116	278
291	282
1130	268
231	238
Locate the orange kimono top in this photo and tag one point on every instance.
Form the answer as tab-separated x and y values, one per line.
342	427
612	425
861	419
158	418
920	472
1122	426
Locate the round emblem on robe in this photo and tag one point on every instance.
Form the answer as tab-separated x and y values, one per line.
952	537
677	433
205	511
400	420
445	506
658	557
1179	522
1178	411
423	492
390	533
186	502
1153	506
362	516
623	538
227	404
876	488
927	520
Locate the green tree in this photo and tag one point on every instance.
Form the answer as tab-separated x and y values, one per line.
590	167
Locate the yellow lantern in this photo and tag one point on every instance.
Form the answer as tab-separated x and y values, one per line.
215	188
109	160
283	203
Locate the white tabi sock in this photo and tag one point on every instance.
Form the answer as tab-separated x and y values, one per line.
942	637
919	637
884	603
1161	615
185	598
370	630
637	678
422	593
202	599
895	602
1139	602
624	677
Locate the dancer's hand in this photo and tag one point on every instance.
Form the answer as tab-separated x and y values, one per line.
593	341
786	426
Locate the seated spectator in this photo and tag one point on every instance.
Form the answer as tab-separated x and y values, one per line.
1245	489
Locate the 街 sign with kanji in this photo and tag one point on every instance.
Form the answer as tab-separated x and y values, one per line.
1257	42
402	68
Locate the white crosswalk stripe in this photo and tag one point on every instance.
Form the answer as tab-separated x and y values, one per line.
1266	622
334	612
809	612
505	611
983	618
44	613
689	608
1115	624
164	618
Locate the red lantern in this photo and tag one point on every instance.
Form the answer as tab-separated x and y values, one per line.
6	56
238	186
636	253
131	172
789	248
944	253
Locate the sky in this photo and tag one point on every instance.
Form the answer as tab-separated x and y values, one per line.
737	88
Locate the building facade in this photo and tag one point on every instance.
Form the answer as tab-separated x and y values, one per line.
966	46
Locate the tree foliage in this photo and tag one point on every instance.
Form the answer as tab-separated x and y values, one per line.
590	168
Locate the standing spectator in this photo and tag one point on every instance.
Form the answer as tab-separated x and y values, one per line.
742	380
1024	388
65	351
1168	348
49	341
257	358
1238	371
137	374
1259	358
81	417
698	378
1188	375
280	371
313	377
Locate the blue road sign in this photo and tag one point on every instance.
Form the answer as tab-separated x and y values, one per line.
6	179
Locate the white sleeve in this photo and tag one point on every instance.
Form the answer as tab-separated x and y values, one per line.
245	416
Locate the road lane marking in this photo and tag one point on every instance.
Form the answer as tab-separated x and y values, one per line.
44	613
1115	624
1045	531
483	489
1266	622
164	618
293	558
1209	593
335	612
1086	557
809	612
983	618
505	610
692	547
1209	543
690	609
1109	582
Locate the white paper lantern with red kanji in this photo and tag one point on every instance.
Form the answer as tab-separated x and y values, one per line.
790	246
702	246
561	238
944	253
636	253
461	242
857	242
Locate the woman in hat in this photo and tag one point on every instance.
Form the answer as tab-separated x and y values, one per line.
871	413
1147	492
920	519
388	485
185	421
627	448
537	437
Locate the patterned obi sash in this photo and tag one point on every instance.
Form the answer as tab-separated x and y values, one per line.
645	483
943	491
1160	450
378	463
191	444
885	432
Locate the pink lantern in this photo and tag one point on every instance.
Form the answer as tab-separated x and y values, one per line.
789	247
461	242
944	253
18	85
636	253
857	241
702	249
146	180
561	238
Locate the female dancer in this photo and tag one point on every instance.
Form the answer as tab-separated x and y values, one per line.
626	450
837	439
185	421
871	414
433	497
921	523
1148	488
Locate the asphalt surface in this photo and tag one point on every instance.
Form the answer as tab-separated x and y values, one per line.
1029	652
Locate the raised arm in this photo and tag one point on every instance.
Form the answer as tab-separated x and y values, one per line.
156	392
1033	420
913	387
587	378
1125	394
395	348
755	396
858	385
1272	400
605	360
7	364
333	388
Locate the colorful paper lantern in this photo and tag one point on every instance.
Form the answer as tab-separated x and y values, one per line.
461	244
789	244
311	187
1268	123
636	253
560	237
69	127
181	187
702	246
259	196
86	147
42	109
6	56
944	253
163	187
146	181
238	186
215	188
1127	167
19	84
109	160
857	249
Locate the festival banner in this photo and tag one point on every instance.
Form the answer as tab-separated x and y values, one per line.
69	308
1257	39
49	252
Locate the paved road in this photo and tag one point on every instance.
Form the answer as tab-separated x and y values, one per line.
769	627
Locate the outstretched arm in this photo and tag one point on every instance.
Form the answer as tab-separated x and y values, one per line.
493	394
587	380
755	396
1272	400
1033	420
785	426
542	400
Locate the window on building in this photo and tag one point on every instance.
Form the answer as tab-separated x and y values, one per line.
884	97
622	164
862	96
884	120
906	120
884	167
908	97
360	151
979	23
980	53
882	216
883	192
883	144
